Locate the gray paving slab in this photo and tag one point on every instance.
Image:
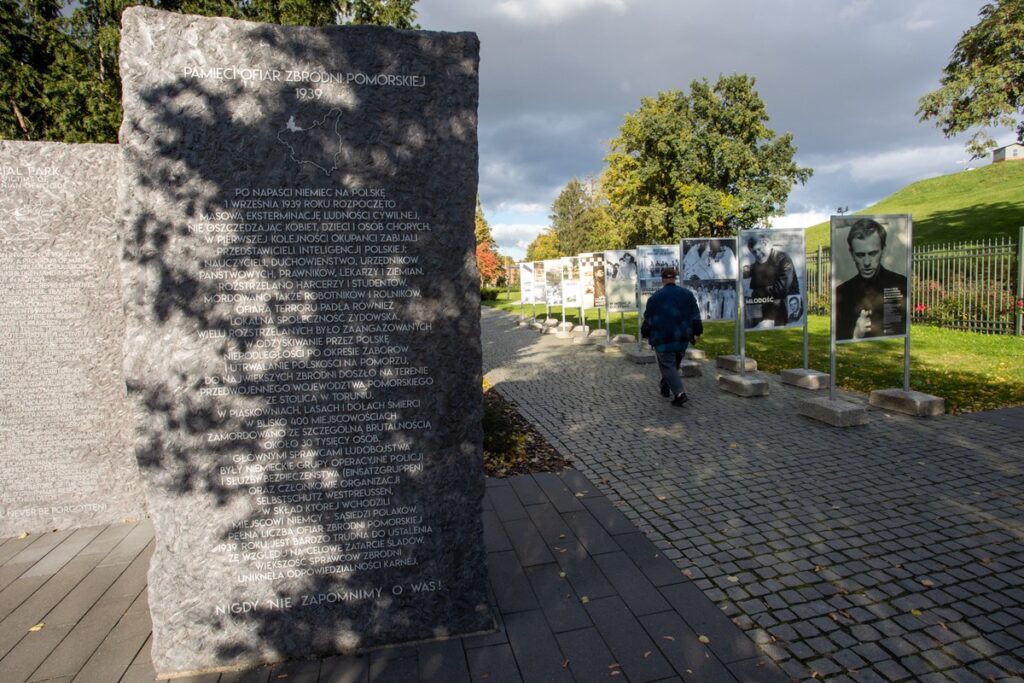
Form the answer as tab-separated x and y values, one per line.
588	656
785	524
443	662
536	651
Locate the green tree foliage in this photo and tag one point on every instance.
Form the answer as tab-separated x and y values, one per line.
59	77
702	163
580	218
482	229
983	83
544	246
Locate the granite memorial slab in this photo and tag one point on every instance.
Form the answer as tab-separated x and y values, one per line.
64	445
303	335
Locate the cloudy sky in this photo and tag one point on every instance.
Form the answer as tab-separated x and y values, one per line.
844	76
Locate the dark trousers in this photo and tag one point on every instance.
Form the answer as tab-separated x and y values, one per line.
668	364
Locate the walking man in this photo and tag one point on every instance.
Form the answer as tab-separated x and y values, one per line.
671	321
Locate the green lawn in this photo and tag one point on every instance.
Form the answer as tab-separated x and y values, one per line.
971	371
964	206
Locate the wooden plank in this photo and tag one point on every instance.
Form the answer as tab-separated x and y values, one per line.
13	546
94	626
29	652
63	553
108	538
134	542
34	610
119	649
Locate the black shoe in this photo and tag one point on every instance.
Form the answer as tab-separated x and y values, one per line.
680	400
666	392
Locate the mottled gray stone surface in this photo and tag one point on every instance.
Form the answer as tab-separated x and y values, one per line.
65	457
916	403
806	378
747	386
837	413
734	362
303	343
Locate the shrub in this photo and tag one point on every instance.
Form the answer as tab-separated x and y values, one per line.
489	293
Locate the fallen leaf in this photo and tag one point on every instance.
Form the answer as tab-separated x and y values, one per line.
986	560
734	579
732	445
927	583
615	673
647	654
704	639
37	627
565	664
579	495
614	665
584	599
23	534
916	612
561	575
687	573
668	638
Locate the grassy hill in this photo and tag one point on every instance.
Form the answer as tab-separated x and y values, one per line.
964	206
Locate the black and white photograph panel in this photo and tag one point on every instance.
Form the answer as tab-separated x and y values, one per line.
620	270
708	259
869	276
716	299
553	281
773	267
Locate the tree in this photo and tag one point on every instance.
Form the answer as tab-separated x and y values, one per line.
59	77
579	216
481	228
397	13
488	263
702	163
983	83
544	246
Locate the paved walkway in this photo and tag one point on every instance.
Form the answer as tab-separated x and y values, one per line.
892	551
580	596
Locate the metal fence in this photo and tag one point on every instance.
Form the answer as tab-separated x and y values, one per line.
976	286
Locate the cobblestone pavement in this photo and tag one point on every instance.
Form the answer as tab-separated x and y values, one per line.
888	552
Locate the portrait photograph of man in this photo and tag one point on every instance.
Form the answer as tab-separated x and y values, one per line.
869	276
774	278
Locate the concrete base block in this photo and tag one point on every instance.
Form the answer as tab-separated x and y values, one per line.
640	357
695	354
552	322
599	334
689	368
913	403
581	331
525	323
743	385
805	378
538	325
732	363
609	348
836	413
563	334
623	339
582	339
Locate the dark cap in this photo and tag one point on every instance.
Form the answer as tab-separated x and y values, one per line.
668	273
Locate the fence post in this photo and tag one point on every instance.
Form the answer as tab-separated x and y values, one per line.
1020	281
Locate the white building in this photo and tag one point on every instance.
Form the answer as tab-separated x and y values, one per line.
1012	152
